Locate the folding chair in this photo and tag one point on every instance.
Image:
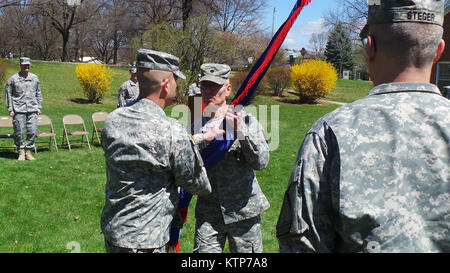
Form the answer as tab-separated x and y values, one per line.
6	122
44	120
74	120
97	117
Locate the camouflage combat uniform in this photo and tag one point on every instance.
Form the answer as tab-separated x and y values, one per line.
148	156
128	92
373	176
233	208
23	97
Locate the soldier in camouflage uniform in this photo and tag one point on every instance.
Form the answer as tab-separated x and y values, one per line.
24	101
373	176
233	208
129	91
148	156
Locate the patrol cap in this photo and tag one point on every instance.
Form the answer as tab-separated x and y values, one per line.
156	60
400	11
24	61
216	73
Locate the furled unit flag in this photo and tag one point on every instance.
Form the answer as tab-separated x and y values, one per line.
215	151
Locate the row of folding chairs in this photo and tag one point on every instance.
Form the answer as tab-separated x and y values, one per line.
73	126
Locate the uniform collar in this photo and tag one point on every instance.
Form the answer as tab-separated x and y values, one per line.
397	87
150	105
27	78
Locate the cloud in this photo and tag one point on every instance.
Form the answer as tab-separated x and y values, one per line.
289	42
300	34
309	28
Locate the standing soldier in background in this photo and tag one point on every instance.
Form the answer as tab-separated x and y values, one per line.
373	176
24	101
148	156
129	91
234	207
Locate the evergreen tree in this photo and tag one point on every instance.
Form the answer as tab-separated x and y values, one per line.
339	50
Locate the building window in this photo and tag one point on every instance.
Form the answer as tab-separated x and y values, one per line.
443	74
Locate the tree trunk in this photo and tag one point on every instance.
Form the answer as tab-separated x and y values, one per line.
115	47
64	49
187	9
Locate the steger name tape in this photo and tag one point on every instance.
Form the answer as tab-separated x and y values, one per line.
421	16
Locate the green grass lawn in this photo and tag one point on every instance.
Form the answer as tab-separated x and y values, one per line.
47	204
348	91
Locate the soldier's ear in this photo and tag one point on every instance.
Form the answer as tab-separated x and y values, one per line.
370	47
229	89
439	52
164	88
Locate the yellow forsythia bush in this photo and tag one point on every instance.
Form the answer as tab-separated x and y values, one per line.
313	79
95	80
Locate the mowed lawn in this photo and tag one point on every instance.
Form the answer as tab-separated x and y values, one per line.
55	203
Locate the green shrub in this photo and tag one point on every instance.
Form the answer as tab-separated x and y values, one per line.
364	75
238	78
182	87
278	79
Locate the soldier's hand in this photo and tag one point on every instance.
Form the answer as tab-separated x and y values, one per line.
213	134
235	118
12	114
39	112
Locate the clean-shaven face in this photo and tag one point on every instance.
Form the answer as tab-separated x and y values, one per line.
172	89
214	94
25	68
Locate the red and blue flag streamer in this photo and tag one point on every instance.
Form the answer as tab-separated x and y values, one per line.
215	151
247	90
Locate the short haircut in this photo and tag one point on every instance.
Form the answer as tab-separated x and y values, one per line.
150	80
410	44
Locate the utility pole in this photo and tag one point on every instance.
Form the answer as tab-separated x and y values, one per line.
273	20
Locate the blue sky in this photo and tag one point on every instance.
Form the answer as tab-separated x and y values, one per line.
310	20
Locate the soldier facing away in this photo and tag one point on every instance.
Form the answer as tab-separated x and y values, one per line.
129	90
148	156
373	176
24	101
233	208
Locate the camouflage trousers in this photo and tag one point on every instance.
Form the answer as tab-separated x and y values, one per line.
20	122
115	249
243	237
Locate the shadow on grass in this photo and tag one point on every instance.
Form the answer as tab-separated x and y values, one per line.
96	145
8	154
80	101
297	101
84	101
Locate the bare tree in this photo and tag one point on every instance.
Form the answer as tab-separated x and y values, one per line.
155	11
236	16
64	16
8	3
17	22
42	38
6	24
351	13
318	42
120	26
